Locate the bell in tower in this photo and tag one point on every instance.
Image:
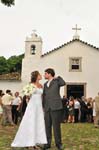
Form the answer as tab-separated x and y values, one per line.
33	49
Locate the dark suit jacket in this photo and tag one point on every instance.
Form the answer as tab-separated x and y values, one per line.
51	95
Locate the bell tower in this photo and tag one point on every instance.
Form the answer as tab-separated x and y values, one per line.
33	52
33	45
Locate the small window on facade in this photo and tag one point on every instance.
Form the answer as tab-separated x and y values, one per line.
33	48
75	64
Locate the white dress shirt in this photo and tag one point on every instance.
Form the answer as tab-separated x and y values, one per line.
48	83
16	101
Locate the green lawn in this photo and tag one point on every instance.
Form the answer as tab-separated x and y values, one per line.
74	136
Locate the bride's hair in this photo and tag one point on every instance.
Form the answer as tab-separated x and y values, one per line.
34	76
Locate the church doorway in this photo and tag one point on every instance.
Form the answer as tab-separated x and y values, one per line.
76	90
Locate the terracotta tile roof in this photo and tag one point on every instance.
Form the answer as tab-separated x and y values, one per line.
65	44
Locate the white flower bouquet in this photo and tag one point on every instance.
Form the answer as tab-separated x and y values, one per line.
29	89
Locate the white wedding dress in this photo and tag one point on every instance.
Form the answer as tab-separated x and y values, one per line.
32	127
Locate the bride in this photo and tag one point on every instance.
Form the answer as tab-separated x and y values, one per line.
32	128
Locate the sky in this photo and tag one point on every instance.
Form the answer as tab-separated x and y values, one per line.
53	21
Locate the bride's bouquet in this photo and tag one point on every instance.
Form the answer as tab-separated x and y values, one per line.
29	89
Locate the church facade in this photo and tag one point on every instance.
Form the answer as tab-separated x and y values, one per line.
76	61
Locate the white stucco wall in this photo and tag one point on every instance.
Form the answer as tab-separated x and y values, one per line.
12	85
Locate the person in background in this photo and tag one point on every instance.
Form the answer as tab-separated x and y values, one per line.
65	103
15	107
7	102
25	101
83	109
1	109
89	107
94	112
97	111
76	110
71	118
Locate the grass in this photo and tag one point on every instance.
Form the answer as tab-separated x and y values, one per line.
74	136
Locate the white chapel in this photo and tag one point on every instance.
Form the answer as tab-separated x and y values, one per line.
76	61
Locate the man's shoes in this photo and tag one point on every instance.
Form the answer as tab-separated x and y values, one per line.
46	147
59	147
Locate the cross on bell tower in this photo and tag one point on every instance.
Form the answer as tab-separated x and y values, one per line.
34	33
76	36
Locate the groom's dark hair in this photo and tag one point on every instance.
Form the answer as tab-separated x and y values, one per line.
50	71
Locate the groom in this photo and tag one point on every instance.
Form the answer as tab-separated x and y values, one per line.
52	107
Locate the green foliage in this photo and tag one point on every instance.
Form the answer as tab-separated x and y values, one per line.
3	65
8	3
13	64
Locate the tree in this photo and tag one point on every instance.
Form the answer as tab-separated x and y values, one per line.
8	3
12	64
3	65
18	64
15	63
